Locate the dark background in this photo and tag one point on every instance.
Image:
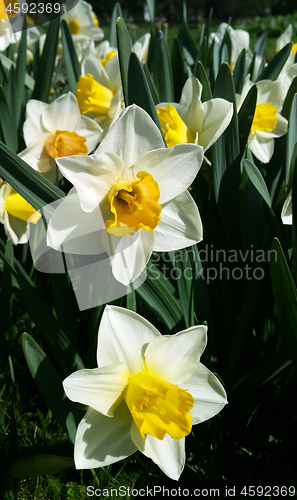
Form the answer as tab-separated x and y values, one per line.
172	9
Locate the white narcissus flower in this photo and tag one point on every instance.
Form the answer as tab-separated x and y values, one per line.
193	121
268	123
15	212
130	197
146	393
240	39
99	90
141	47
83	23
54	130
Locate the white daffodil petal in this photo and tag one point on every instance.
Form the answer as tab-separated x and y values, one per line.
131	256
174	169
169	454
112	69
92	66
100	388
190	107
208	393
217	114
33	123
16	229
53	119
174	357
123	337
93	177
90	130
36	156
77	231
269	91
101	440
262	147
287	210
133	135
180	224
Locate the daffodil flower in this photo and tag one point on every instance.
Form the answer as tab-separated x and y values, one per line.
15	212
268	123
99	90
130	197
193	121
240	39
141	46
83	23
54	130
146	393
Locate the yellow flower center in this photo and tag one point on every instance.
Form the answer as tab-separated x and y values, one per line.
95	19
174	129
294	49
74	26
17	206
107	58
92	96
3	13
158	407
12	6
134	205
265	119
63	143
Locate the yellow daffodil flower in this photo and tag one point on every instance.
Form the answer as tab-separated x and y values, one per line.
146	394
130	197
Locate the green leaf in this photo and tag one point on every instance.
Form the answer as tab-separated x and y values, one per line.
224	88
49	384
200	73
5	289
239	72
285	295
8	129
47	62
72	66
139	92
63	305
256	178
246	116
37	190
7	63
179	69
20	76
131	300
151	84
185	36
151	10
124	49
39	465
117	12
259	45
157	293
162	69
226	149
291	138
33	302
285	112
182	263
276	64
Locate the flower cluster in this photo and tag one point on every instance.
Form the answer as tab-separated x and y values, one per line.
136	174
